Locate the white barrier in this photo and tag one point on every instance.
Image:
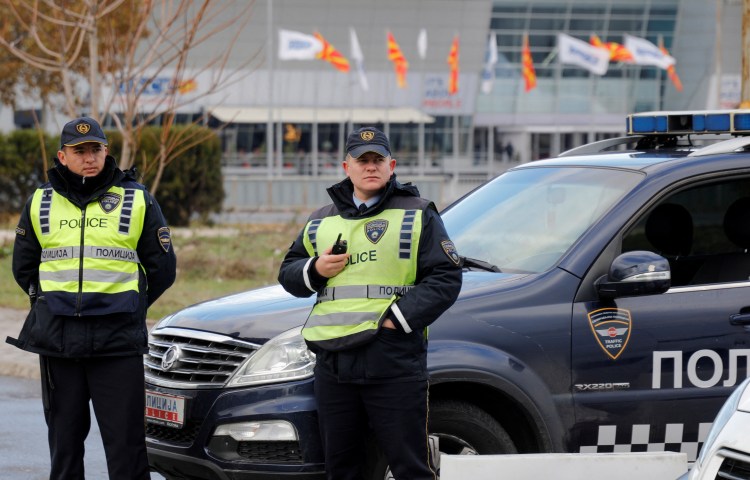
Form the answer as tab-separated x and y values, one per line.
564	466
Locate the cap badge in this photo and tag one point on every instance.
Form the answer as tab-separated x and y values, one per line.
83	128
367	136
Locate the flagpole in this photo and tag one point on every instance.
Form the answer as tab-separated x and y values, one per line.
269	60
314	127
388	101
421	160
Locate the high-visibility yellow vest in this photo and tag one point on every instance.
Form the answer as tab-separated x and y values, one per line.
381	268
89	264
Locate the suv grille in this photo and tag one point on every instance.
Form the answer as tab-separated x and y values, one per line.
196	359
179	436
736	466
271	452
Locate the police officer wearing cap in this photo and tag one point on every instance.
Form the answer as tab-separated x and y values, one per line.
93	251
368	328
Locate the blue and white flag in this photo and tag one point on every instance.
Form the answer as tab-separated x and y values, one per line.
359	60
646	53
298	46
422	44
488	73
577	52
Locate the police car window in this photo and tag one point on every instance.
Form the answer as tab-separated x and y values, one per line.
697	232
525	220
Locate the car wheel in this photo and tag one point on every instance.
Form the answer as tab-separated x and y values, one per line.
461	429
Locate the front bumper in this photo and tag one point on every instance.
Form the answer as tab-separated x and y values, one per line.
193	452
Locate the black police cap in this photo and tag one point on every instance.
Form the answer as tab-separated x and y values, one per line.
367	139
82	130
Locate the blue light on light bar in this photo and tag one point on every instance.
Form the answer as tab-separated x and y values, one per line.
661	123
699	123
718	122
742	121
644	124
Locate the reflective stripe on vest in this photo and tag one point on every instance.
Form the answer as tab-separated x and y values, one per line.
64	253
312	233
362	291
44	206
102	276
381	267
127	211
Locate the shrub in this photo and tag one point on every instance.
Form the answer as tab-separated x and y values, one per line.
191	185
21	167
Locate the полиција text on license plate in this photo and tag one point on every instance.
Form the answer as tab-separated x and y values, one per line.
165	409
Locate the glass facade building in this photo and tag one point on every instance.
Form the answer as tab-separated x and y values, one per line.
303	110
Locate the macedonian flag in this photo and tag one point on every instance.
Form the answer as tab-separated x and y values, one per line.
671	72
453	62
400	65
617	51
331	55
527	65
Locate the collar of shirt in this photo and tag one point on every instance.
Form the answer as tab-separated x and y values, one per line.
369	203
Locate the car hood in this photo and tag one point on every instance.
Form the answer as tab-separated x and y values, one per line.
260	314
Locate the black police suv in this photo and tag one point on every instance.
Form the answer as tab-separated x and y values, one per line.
605	308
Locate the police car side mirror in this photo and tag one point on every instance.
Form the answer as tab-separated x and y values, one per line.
635	273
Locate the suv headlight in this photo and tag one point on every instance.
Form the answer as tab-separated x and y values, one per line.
283	358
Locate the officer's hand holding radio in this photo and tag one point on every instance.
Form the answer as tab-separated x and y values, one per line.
333	260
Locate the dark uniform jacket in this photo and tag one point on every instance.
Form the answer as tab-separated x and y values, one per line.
393	355
91	336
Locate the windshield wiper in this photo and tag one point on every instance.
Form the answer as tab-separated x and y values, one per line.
474	262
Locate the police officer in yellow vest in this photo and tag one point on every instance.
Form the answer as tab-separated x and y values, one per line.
93	251
368	328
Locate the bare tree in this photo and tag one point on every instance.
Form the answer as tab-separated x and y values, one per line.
118	49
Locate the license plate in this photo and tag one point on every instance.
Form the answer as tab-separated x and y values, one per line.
165	409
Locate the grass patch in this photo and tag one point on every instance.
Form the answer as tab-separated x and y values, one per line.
211	262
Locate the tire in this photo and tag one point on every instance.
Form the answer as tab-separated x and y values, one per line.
465	429
461	428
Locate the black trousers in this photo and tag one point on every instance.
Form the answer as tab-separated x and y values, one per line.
115	387
396	413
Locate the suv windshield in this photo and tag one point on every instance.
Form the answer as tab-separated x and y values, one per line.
525	220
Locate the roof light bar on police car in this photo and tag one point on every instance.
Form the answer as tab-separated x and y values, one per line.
736	122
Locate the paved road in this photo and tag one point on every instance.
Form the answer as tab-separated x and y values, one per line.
23	436
15	362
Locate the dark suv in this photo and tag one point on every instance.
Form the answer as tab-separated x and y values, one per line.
605	308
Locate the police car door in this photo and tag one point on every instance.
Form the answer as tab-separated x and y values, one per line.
650	372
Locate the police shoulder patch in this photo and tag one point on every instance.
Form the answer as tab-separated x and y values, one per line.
109	201
375	229
451	251
20	231
165	238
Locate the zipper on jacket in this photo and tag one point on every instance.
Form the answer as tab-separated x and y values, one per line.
79	298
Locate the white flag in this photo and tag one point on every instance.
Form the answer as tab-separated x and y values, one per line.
422	44
298	46
359	59
646	53
583	54
488	73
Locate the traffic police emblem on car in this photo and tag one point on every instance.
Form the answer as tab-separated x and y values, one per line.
611	327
